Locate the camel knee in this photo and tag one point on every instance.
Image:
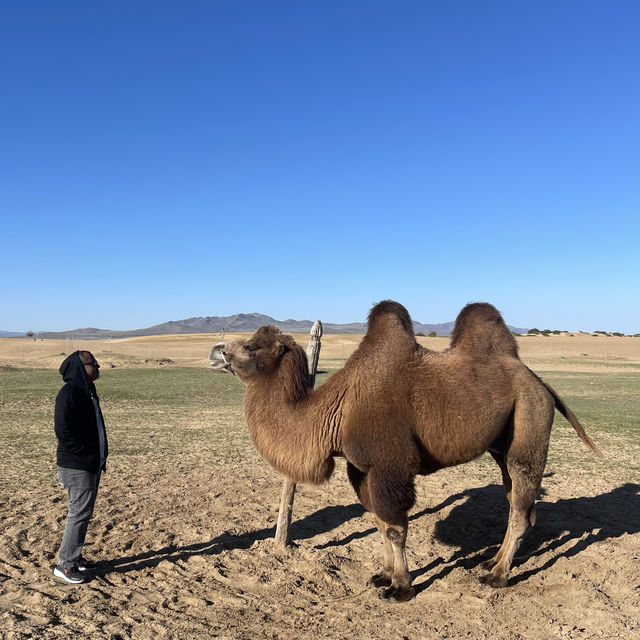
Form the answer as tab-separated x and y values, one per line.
396	536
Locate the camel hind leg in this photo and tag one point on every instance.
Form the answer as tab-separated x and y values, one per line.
506	480
521	519
522	468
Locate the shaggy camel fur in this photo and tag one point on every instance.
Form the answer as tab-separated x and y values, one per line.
396	410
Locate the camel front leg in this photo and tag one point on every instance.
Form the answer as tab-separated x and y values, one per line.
398	588
389	498
383	579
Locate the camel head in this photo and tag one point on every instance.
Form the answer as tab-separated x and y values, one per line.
259	355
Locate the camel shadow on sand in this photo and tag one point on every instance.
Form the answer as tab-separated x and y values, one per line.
474	529
476	526
321	521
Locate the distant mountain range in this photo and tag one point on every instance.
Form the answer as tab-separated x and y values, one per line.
10	334
240	322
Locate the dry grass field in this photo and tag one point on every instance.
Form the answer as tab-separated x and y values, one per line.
580	351
186	513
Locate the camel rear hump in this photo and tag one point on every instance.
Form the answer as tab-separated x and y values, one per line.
481	331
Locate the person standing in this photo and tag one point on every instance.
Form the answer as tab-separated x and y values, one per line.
81	458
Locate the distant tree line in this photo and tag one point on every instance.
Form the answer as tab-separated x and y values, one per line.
548	332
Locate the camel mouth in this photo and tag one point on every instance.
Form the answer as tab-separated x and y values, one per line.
218	359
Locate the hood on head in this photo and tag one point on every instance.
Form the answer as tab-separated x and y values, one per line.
72	371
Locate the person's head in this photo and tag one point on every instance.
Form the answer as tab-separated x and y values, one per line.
91	366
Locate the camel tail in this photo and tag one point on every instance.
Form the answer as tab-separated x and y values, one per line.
572	419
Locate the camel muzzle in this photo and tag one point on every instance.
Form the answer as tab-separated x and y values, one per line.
218	359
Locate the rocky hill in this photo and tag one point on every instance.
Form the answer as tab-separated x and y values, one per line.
243	322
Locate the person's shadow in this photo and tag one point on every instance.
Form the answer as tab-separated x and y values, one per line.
474	529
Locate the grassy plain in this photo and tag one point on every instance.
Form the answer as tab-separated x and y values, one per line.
187	415
173	398
159	389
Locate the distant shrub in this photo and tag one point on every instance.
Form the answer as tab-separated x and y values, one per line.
534	331
432	334
160	361
420	334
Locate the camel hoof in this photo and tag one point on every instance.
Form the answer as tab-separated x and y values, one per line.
487	565
497	582
379	580
397	594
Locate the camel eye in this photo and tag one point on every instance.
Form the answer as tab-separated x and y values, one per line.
250	349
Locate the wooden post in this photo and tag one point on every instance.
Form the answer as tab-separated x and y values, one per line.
289	487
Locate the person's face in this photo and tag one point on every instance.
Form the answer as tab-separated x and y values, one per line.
91	366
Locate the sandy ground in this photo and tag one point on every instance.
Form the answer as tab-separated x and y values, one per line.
186	551
189	554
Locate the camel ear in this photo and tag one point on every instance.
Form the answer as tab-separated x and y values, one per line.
281	349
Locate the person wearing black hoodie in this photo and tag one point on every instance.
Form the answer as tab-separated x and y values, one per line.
81	458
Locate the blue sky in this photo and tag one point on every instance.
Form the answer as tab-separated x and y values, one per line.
305	159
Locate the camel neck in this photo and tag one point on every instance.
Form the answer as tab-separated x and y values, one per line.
290	435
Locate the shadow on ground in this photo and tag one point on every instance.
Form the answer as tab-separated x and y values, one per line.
476	526
474	529
321	521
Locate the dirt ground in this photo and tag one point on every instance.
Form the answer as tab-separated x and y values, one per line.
186	551
189	554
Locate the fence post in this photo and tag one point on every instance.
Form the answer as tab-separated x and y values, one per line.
288	486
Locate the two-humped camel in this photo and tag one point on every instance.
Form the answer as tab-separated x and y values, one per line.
397	410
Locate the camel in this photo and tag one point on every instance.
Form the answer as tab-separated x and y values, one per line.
397	410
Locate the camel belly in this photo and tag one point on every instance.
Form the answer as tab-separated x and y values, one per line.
452	438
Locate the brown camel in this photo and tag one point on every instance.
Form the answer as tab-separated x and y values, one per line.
397	410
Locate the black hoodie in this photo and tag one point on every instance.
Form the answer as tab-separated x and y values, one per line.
76	423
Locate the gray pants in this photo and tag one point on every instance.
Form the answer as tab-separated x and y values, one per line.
82	488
